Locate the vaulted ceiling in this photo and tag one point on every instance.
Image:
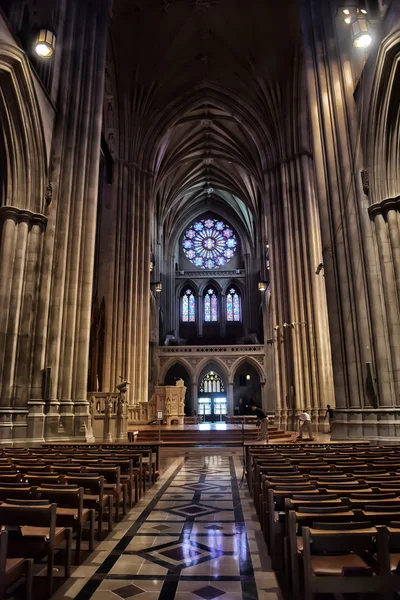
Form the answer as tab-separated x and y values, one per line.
203	89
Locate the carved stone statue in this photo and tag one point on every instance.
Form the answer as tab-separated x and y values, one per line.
180	383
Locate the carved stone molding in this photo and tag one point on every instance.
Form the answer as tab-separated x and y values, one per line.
383	207
243	349
22	215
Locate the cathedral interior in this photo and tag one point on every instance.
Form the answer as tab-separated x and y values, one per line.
199	210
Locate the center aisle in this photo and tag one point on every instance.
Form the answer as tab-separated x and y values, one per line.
191	537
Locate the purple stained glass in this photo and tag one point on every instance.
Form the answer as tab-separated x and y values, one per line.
232	305
214	308
188	310
209	244
192	310
210	306
229	308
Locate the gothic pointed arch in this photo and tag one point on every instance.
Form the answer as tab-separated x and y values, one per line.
384	119
23	169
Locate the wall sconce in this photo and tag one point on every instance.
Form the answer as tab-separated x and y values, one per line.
262	286
45	43
357	19
158	287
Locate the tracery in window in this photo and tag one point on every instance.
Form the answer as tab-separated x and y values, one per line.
210	306
212	383
188	307
209	243
233	308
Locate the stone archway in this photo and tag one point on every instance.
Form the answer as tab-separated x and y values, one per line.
247	387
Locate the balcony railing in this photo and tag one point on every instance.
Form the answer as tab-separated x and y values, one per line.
243	349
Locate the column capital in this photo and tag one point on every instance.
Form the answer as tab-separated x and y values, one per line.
381	208
20	215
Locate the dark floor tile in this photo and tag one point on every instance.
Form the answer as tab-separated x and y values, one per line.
209	592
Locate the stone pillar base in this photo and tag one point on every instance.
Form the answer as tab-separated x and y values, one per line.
13	425
35	422
83	430
286	418
380	425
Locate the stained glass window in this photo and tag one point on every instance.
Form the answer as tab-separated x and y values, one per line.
188	307
209	244
233	306
210	306
212	383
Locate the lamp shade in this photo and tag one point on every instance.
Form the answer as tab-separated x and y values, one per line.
45	43
360	32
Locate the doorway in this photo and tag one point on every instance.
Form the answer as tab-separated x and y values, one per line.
212	401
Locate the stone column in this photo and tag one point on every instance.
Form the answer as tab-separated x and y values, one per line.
72	215
194	398
346	241
21	240
303	371
230	398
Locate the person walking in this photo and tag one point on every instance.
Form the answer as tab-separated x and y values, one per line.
330	414
305	424
262	417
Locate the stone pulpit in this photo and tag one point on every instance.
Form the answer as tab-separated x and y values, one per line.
171	400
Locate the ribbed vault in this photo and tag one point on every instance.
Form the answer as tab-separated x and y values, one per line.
202	90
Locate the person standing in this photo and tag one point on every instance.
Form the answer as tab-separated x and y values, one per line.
330	413
262	417
305	424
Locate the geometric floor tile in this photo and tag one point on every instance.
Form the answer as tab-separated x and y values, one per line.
161	527
193	510
128	591
209	592
181	554
199	486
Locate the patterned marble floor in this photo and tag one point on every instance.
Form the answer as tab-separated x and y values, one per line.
194	536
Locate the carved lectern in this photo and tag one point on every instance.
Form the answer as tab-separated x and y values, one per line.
171	400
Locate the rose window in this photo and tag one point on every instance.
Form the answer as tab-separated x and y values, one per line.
209	244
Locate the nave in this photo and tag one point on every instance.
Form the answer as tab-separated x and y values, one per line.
194	535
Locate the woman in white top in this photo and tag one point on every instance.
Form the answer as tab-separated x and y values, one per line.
305	424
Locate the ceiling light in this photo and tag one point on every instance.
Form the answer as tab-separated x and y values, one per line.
262	286
346	11
248	377
360	32
158	286
45	43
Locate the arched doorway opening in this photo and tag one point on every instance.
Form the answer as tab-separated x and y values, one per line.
176	372
246	389
212	397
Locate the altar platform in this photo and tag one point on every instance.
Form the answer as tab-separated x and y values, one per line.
214	434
